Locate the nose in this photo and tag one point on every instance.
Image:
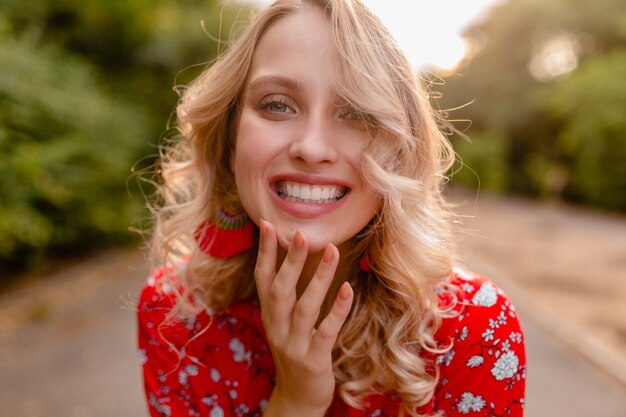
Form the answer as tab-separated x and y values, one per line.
315	143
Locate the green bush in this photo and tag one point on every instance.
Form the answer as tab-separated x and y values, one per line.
590	106
66	150
86	89
563	130
481	162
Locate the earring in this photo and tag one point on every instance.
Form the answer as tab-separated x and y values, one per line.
226	235
364	263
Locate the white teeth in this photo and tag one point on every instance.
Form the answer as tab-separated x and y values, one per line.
293	191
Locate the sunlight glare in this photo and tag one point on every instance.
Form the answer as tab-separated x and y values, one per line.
429	32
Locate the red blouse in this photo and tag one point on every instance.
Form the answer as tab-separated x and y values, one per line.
226	369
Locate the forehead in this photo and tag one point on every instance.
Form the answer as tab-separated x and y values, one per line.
297	46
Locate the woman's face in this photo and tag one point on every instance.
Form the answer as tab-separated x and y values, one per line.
299	146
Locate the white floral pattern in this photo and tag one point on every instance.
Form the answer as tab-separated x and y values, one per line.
238	349
446	358
505	366
486	296
470	402
488	335
217	411
516	337
215	375
142	356
475	361
193	370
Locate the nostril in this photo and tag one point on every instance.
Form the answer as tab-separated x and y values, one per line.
313	151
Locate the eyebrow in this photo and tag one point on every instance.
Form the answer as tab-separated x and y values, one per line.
277	80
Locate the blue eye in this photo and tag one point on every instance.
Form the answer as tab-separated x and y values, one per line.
277	107
276	104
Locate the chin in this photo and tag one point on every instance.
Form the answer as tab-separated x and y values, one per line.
317	242
318	246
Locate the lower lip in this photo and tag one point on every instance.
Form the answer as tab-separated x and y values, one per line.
306	210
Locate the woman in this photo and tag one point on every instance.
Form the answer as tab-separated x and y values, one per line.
308	262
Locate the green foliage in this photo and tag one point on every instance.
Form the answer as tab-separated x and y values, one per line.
137	47
481	162
561	132
591	107
66	149
86	90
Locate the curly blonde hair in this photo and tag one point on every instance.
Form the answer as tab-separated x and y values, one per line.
396	309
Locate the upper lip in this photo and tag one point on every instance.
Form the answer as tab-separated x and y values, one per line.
309	179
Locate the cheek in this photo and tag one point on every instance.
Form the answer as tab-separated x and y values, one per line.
371	199
243	165
245	186
248	163
371	205
240	159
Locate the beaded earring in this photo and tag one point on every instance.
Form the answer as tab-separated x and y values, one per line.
226	235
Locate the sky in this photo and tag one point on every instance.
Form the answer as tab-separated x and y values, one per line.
429	31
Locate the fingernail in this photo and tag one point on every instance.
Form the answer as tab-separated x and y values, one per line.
329	253
344	291
298	240
263	227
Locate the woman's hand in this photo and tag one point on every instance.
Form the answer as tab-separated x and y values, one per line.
305	382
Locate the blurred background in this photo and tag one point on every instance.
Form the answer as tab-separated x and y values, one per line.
536	96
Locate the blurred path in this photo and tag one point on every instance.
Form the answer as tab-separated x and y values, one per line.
67	343
565	270
569	262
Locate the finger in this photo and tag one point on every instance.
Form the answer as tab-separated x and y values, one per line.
326	335
307	309
265	269
282	294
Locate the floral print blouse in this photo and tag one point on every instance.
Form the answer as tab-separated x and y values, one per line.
219	365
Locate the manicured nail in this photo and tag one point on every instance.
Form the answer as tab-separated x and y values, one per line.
329	253
298	240
263	228
344	291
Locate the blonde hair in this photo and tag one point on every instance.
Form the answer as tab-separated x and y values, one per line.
408	244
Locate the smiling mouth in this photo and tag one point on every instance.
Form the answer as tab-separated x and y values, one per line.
313	194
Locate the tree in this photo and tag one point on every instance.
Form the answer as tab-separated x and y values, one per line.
86	91
590	105
66	151
523	48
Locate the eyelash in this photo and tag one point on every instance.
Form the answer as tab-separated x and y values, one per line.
268	102
352	114
347	113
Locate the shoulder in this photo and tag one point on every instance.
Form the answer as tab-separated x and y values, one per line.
165	309
165	288
484	365
158	291
475	301
196	361
480	311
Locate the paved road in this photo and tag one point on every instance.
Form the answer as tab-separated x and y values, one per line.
67	344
